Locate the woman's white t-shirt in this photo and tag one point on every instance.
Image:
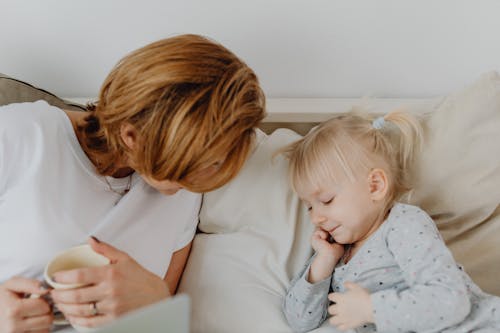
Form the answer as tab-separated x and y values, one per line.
52	199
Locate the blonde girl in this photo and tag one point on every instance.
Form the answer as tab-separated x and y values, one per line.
379	265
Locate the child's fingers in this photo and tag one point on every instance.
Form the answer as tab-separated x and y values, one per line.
339	323
336	321
333	310
334	297
314	236
322	234
352	286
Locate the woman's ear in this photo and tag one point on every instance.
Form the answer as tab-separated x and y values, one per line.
378	183
128	133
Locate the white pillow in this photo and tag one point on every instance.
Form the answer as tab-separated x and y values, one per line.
257	240
256	232
458	177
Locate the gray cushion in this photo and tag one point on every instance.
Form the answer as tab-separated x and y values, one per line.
16	91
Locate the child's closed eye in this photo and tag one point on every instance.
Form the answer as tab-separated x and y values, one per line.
327	202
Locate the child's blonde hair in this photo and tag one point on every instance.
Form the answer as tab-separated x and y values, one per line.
355	142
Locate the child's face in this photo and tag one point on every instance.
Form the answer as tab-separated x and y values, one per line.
346	211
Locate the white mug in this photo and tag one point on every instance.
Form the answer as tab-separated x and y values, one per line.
76	257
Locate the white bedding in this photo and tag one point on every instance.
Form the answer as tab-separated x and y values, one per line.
255	234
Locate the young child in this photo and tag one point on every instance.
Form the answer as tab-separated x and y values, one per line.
379	265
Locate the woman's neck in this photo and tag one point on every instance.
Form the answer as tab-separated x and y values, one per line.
77	119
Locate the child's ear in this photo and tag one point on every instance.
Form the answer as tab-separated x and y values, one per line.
378	183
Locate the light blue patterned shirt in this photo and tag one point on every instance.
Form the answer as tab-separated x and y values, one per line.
415	284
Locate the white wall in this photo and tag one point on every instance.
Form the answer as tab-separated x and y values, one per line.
309	48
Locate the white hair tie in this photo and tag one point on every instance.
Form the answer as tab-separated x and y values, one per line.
378	123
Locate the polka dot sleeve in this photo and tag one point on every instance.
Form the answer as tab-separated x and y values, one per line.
436	297
305	305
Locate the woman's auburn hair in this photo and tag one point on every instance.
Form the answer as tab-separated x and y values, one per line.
194	105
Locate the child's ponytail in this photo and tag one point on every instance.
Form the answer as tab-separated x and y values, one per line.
398	135
410	135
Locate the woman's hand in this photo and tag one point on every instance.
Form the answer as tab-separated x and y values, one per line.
327	256
20	314
352	308
112	290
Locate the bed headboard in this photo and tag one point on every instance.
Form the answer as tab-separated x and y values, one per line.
301	114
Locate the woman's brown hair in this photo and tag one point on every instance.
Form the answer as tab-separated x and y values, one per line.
194	105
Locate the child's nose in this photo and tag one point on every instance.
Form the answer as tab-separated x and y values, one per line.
317	218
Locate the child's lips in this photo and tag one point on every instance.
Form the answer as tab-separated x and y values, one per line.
333	229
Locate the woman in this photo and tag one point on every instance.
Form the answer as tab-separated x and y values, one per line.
173	119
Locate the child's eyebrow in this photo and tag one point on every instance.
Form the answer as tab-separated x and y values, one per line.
302	199
317	192
314	196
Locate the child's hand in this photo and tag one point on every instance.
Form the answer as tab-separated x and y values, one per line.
320	244
352	308
327	256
